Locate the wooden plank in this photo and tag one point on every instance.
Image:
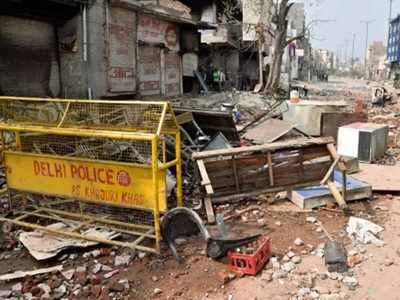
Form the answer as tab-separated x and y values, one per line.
270	169
235	173
335	193
314	152
330	171
236	197
204	177
344	185
209	210
332	150
22	274
300	143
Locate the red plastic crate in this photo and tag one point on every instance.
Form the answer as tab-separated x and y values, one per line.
251	264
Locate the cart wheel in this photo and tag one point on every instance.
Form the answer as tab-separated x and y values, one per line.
7	227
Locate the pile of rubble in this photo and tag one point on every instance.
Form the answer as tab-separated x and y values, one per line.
93	279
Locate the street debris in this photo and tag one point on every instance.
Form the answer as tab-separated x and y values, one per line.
272	130
366	141
242	172
298	242
218	151
335	257
44	245
364	231
122	260
22	274
313	197
307	115
381	97
251	257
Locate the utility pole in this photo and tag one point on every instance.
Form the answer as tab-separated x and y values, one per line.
352	53
390	19
366	41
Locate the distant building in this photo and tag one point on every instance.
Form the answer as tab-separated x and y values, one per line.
393	50
298	53
376	61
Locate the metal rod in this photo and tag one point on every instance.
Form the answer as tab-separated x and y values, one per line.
179	182
118	135
146	234
162	119
127	102
64	115
79	216
156	209
168	164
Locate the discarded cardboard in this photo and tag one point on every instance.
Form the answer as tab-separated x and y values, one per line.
44	246
271	130
382	178
317	196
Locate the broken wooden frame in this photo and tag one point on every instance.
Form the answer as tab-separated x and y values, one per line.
234	174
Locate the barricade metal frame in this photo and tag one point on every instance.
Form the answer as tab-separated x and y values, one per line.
131	122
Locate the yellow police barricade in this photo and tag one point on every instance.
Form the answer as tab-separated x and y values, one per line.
91	164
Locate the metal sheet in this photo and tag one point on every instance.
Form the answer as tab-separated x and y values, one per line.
331	122
172	74
213	122
306	115
150	70
190	62
268	131
122	51
317	196
28	64
96	181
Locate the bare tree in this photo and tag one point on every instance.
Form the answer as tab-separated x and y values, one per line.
278	32
276	26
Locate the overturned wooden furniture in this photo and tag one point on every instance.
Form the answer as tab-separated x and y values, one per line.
238	173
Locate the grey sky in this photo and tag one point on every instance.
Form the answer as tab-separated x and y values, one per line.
348	15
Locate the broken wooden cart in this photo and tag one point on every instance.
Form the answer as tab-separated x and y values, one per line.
238	173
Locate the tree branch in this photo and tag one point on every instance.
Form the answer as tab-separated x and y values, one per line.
291	40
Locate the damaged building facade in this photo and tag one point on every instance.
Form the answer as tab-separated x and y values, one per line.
106	49
234	46
95	49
